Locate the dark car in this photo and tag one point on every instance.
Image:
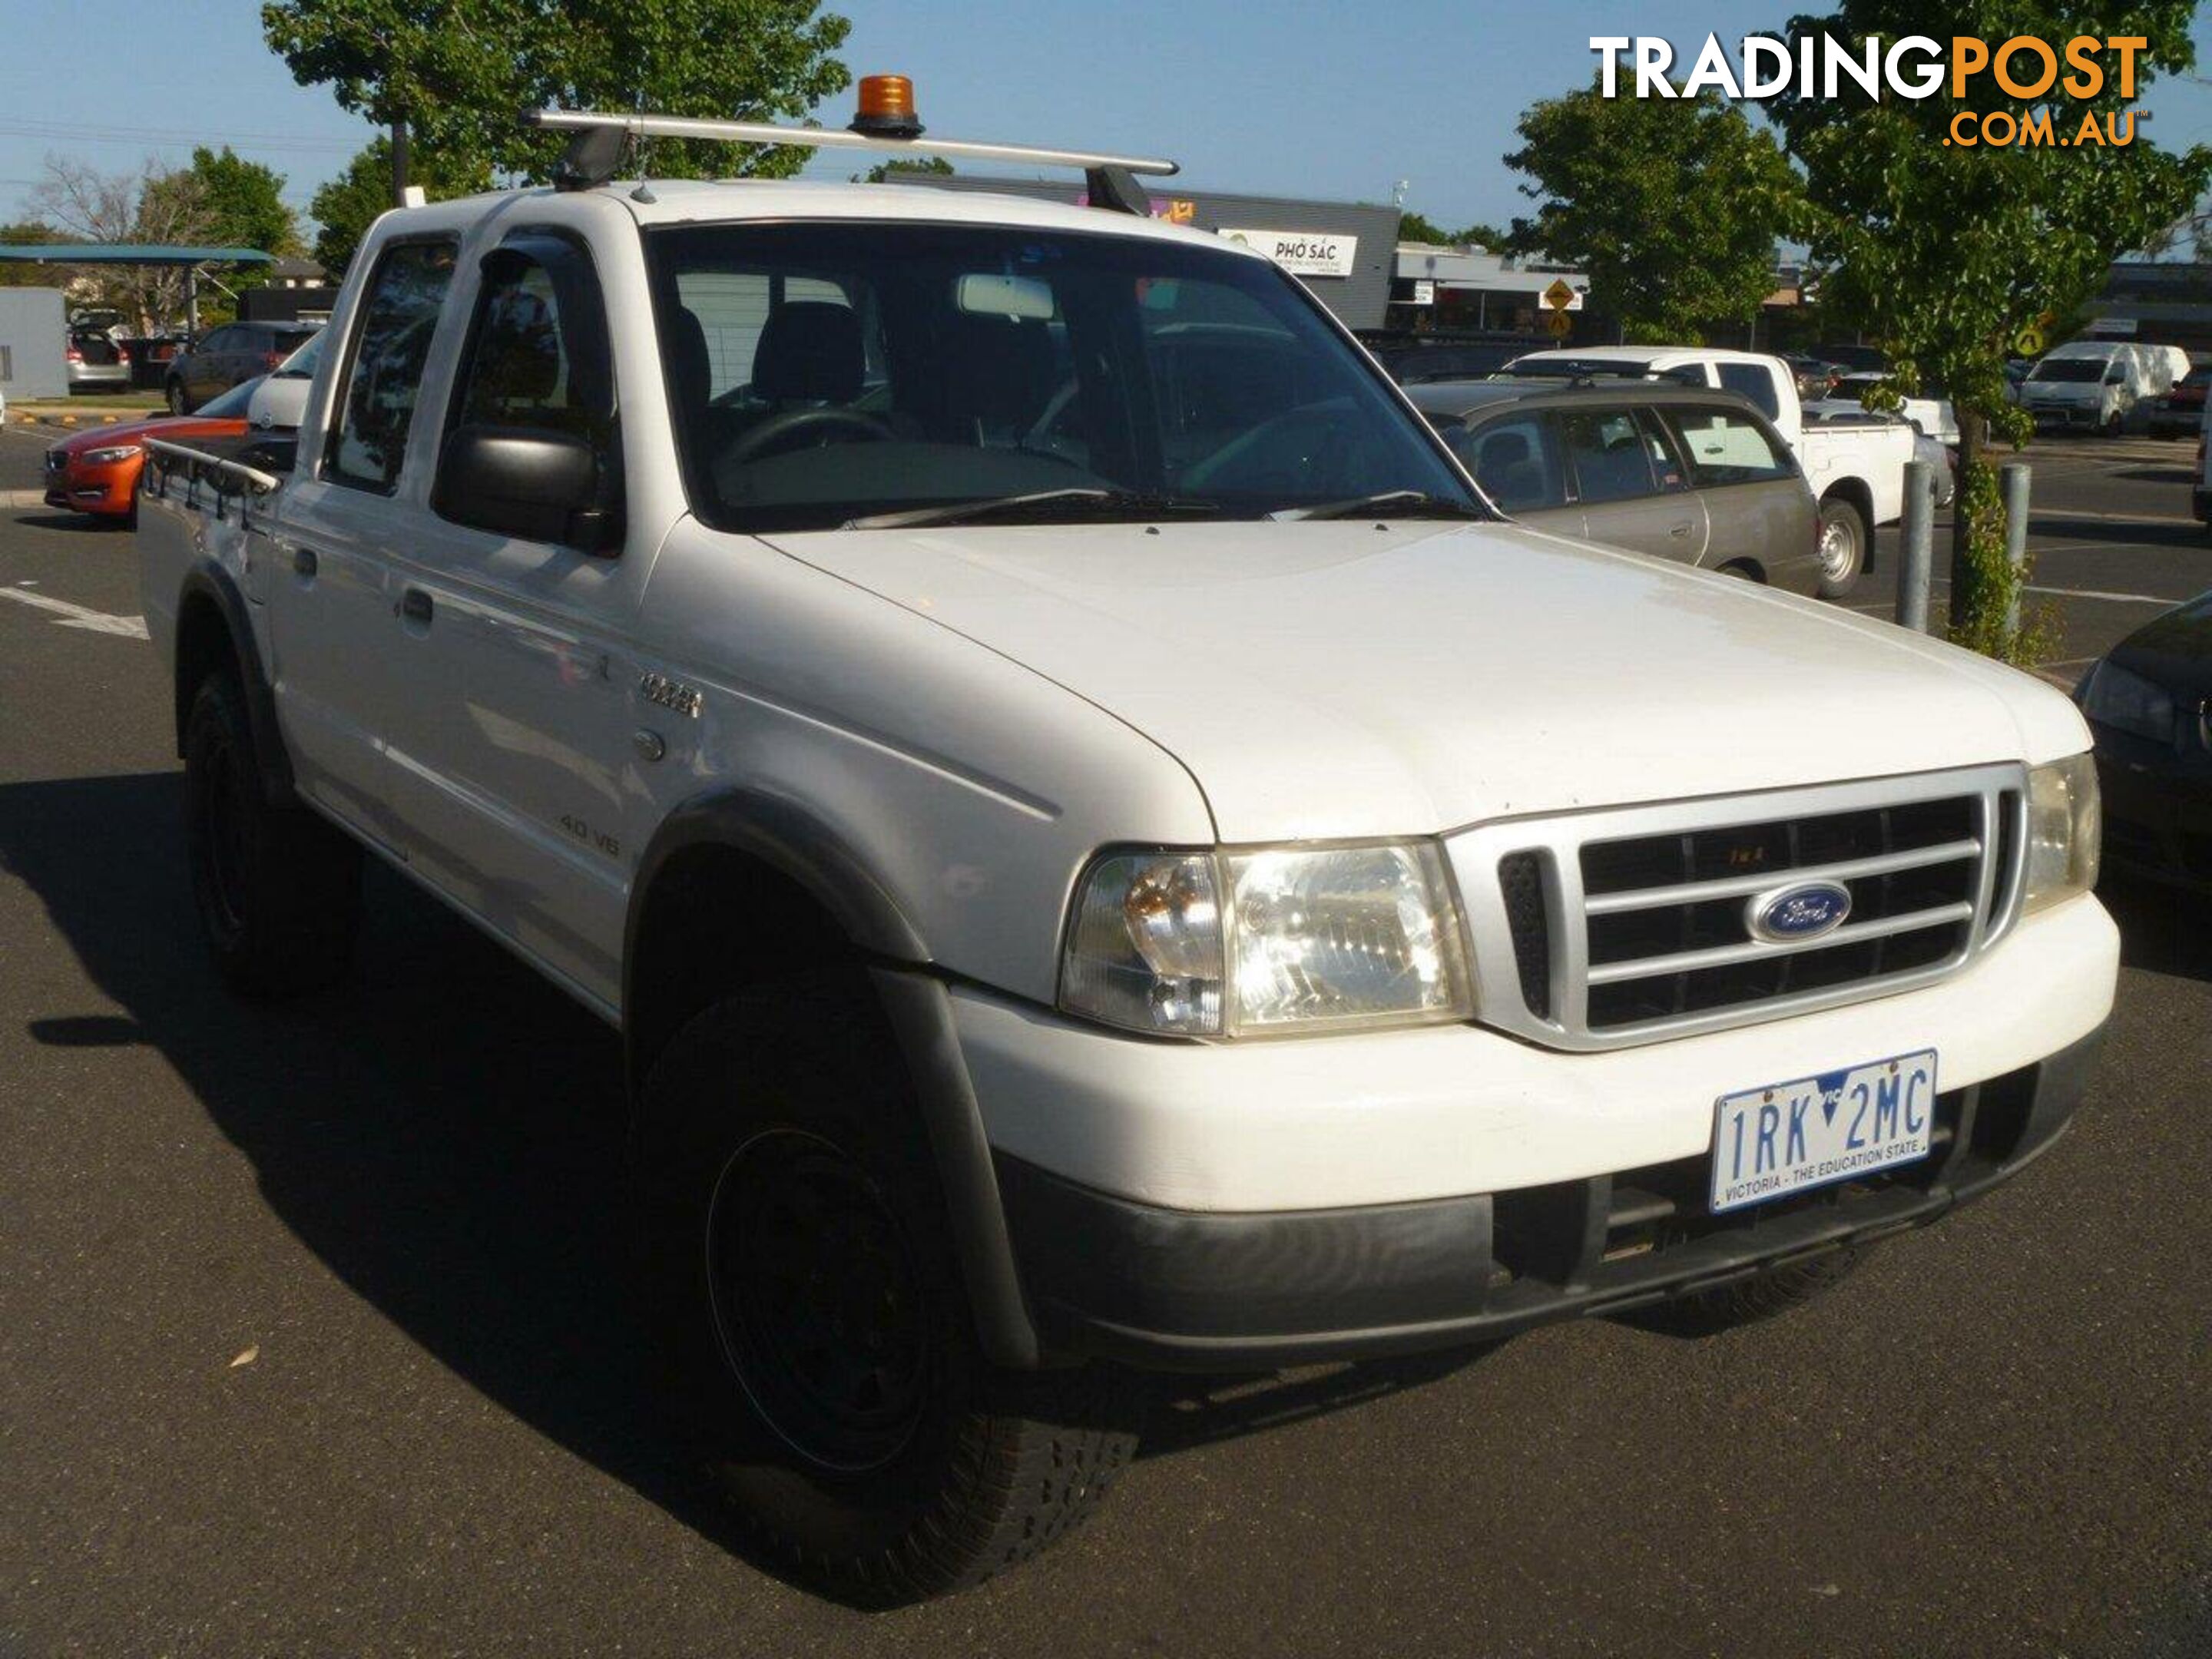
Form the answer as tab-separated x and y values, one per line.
1858	359
2148	702
1696	476
2180	411
1413	359
227	356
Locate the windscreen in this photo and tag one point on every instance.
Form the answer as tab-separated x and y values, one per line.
2067	368
824	372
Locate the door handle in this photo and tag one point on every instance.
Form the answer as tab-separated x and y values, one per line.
304	562
1681	530
414	605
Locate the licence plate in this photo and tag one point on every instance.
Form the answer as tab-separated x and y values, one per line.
1790	1137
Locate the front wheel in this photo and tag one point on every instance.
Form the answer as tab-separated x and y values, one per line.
174	394
822	1353
1843	547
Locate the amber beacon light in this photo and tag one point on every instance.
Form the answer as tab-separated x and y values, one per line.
887	107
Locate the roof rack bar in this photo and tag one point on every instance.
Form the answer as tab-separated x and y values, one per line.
763	133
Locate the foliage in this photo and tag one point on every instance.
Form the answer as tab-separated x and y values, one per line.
934	167
1946	253
245	203
454	71
1673	205
346	207
28	233
150	205
1414	227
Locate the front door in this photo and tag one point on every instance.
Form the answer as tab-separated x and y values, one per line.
511	748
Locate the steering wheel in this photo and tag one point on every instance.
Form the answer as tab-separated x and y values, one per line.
778	431
1300	448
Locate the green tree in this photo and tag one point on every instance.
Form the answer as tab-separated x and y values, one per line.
1946	253
1415	227
452	72
932	167
245	203
28	233
1673	205
345	207
1487	237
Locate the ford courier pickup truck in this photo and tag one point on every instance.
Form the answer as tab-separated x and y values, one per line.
1106	853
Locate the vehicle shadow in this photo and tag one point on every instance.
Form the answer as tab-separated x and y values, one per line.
83	524
441	1130
444	1130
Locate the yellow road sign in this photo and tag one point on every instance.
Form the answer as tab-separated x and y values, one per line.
1558	296
1560	324
2029	342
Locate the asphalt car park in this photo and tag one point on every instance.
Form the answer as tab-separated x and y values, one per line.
314	1335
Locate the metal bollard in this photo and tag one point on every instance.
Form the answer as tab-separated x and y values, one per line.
1916	561
2012	479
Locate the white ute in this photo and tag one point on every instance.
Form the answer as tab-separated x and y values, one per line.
1105	853
1856	472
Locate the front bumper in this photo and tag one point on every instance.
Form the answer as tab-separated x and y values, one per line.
106	490
2087	416
1106	1277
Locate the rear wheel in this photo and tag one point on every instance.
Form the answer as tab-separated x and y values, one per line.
2112	425
278	891
822	1352
174	394
1843	547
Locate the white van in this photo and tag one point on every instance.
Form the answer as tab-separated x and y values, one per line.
2090	384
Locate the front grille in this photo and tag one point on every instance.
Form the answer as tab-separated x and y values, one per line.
1629	926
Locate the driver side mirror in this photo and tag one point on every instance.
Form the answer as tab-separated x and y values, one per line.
534	485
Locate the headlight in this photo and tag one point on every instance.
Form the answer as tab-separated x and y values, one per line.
103	456
2111	696
1267	940
2065	831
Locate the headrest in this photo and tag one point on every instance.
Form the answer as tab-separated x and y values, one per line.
998	369
810	352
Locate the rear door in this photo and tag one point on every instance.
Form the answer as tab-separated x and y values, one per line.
1759	511
1629	484
332	609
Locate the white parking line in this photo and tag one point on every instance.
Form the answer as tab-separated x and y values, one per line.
76	616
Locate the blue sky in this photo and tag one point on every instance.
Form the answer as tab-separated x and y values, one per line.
1330	99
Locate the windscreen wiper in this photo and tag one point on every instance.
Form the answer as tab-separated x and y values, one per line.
1387	504
1081	501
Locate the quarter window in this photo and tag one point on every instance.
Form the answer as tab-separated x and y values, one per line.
1755	382
1726	447
376	410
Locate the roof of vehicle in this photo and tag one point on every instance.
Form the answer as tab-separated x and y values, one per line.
1651	357
693	201
1471	397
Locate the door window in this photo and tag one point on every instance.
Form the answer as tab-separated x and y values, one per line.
391	342
1515	461
1611	454
1729	447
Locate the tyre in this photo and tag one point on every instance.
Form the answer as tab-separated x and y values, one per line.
175	393
2111	427
278	890
1747	1301
1843	547
820	1348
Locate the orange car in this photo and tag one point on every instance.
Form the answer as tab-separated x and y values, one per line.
96	471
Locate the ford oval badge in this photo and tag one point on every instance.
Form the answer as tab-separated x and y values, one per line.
1785	915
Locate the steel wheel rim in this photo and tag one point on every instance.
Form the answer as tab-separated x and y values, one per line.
1839	549
818	1307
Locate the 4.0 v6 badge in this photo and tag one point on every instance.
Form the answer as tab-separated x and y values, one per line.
671	694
